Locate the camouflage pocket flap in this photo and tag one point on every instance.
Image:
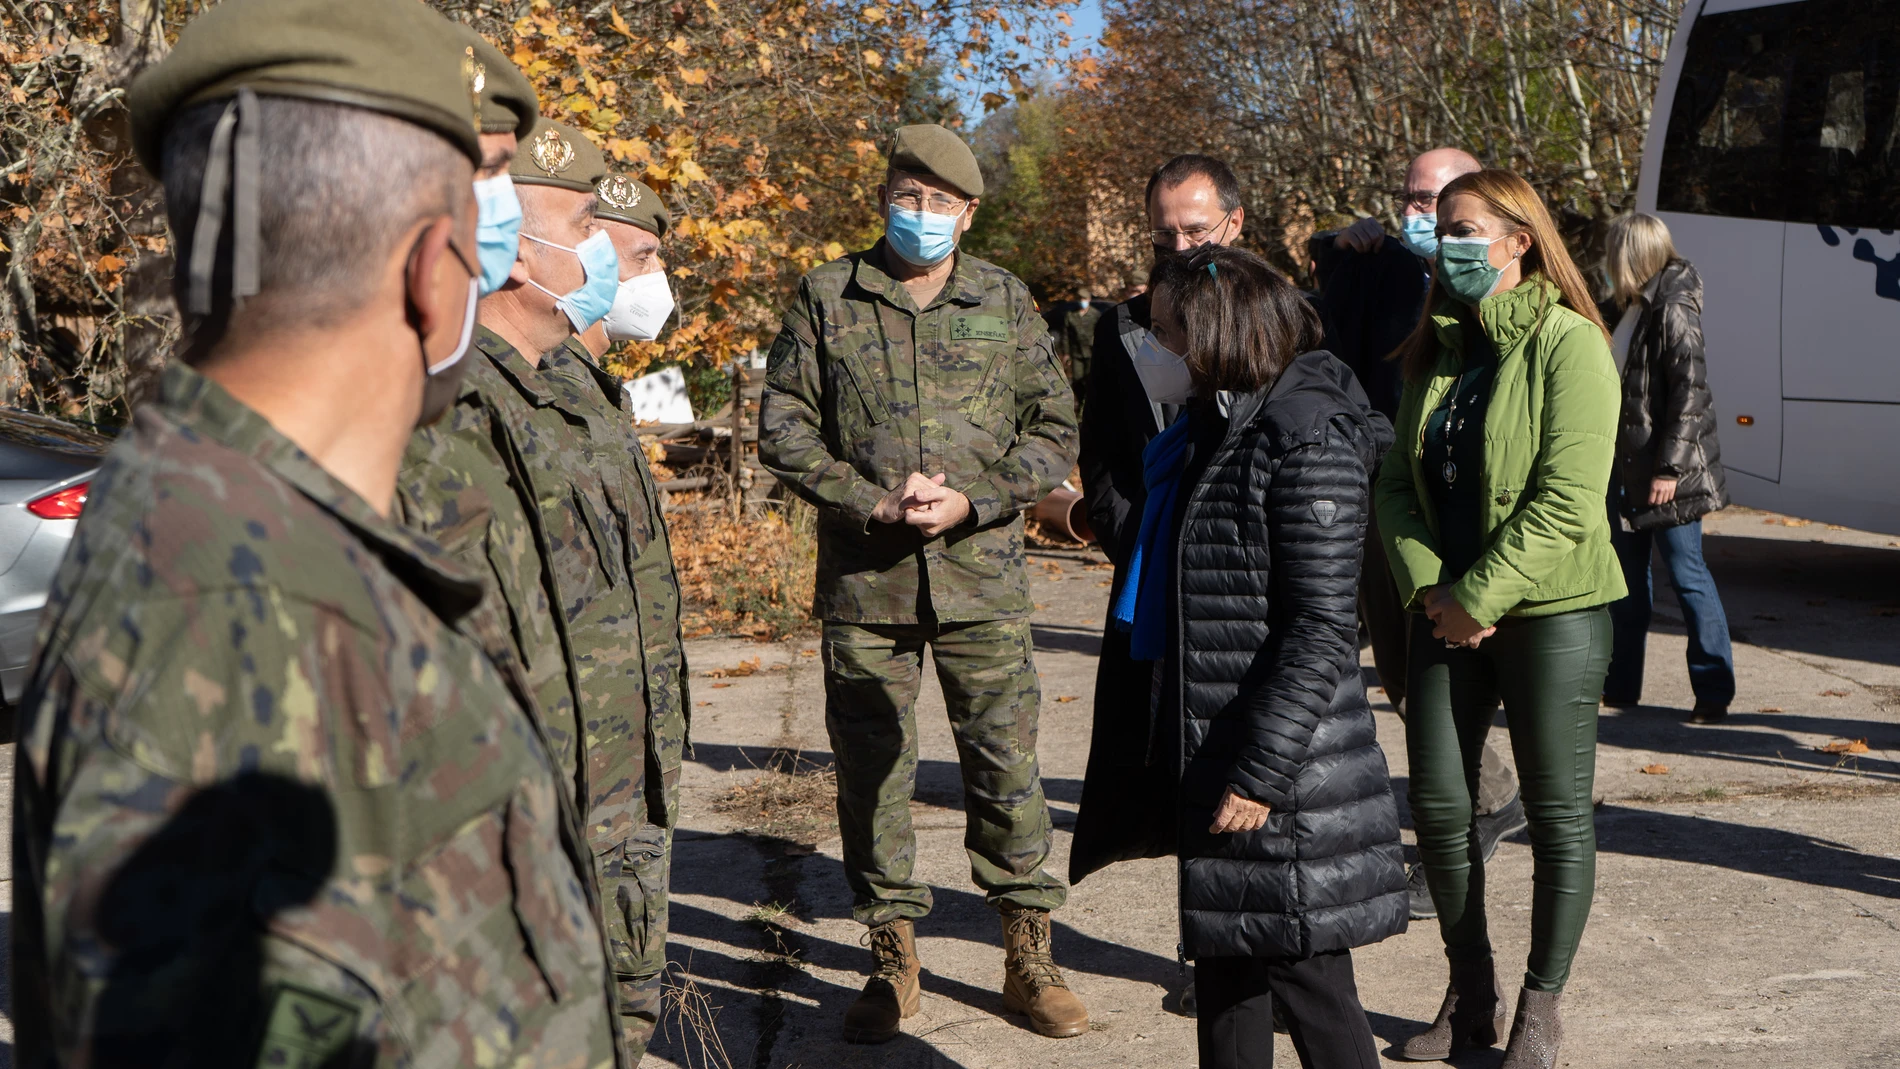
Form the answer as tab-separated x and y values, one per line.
549	901
868	393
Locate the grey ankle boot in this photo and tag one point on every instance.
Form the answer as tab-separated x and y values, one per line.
1472	1015
1536	1033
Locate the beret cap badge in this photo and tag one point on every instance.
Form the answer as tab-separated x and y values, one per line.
619	191
476	76
551	152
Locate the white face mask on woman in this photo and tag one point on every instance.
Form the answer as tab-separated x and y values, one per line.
1163	373
641	308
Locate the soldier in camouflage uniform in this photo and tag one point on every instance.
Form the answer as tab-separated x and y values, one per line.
912	397
1073	328
537	479
280	797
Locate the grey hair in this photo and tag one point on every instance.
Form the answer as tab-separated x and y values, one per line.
1636	247
338	187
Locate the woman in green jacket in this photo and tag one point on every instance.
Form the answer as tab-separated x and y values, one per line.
1490	505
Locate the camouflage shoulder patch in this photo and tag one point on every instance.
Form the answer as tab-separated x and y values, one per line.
979	328
782	350
306	1029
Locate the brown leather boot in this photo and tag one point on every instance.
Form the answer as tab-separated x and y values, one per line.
1536	1033
895	989
1032	984
1472	1015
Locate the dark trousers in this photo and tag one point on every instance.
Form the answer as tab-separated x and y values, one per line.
1548	671
1711	660
1318	998
1382	609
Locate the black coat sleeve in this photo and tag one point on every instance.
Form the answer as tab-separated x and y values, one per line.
1111	444
1316	525
1685	374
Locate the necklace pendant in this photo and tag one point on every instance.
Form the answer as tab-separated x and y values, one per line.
1450	472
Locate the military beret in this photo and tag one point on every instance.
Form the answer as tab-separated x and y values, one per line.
630	201
391	56
556	154
931	149
509	104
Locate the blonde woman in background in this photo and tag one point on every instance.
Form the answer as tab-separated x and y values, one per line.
1668	463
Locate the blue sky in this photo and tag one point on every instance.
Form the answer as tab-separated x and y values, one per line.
1086	33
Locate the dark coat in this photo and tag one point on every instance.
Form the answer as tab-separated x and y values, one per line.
1370	302
1116	821
1668	421
1263	690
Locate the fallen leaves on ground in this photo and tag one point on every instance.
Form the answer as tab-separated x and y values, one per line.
1655	770
1831	693
1066	698
1844	746
1771	709
737	671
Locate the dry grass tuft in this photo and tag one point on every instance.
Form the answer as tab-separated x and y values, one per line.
796	800
752	578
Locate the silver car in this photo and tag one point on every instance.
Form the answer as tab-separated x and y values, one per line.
46	467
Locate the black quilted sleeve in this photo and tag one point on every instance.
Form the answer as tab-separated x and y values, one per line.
1316	523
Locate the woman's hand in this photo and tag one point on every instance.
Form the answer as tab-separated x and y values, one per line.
1237	813
1662	491
1451	622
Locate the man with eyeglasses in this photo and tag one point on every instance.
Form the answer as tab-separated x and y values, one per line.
1372	291
1192	200
913	398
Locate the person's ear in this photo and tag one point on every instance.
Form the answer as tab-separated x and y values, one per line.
1240	223
519	273
883	198
969	215
1521	243
429	257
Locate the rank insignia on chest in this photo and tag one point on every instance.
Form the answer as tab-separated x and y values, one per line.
978	328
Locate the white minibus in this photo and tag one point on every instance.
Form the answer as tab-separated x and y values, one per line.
1774	156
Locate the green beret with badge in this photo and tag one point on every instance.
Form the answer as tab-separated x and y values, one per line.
628	200
394	57
509	103
556	154
934	150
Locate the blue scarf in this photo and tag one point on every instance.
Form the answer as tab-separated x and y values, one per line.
1141	608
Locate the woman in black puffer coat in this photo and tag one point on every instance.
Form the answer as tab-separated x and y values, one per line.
1243	592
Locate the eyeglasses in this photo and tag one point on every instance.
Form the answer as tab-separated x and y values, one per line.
936	204
1421	200
1195	235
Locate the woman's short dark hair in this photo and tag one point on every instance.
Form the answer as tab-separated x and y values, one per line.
1245	322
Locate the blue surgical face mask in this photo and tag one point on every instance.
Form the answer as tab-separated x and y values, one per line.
590	302
1421	235
1464	268
921	238
497	229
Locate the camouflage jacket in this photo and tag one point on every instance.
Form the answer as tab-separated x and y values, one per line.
276	804
517	484
864	389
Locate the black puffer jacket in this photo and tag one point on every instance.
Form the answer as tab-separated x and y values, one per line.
1266	680
1668	421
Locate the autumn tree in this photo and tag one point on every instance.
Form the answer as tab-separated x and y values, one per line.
760	121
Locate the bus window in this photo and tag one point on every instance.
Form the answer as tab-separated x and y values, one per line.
1722	155
1789	113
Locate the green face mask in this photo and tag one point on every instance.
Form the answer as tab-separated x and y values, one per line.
1464	268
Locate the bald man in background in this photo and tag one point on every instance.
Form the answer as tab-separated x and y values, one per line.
1372	292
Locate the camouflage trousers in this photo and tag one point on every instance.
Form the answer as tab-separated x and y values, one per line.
633	883
988	675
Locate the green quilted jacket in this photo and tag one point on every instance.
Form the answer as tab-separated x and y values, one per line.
1549	442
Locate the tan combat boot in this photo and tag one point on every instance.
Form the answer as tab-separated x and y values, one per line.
895	989
1032	984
